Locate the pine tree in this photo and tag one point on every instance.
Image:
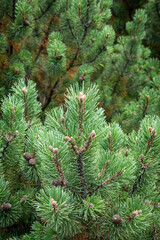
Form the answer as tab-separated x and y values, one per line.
76	175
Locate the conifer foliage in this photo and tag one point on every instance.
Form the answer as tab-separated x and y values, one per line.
55	42
75	175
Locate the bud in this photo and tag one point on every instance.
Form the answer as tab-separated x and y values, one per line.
27	156
91	205
107	35
136	212
141	157
81	94
67	138
16	132
16	70
62	120
81	78
76	97
50	148
26	22
151	130
93	134
82	98
55	150
147	96
54	204
23	198
32	162
126	153
24	90
70	139
5	207
116	219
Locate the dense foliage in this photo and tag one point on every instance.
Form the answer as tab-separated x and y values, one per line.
79	144
75	175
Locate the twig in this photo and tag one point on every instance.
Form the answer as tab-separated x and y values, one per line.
144	166
50	96
81	174
27	76
109	180
45	11
123	70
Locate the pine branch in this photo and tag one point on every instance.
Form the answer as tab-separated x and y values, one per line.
49	98
27	76
26	136
86	26
110	141
57	163
26	110
98	54
143	165
103	48
104	169
109	180
144	109
9	140
5	148
75	148
123	70
71	30
81	115
73	60
81	173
